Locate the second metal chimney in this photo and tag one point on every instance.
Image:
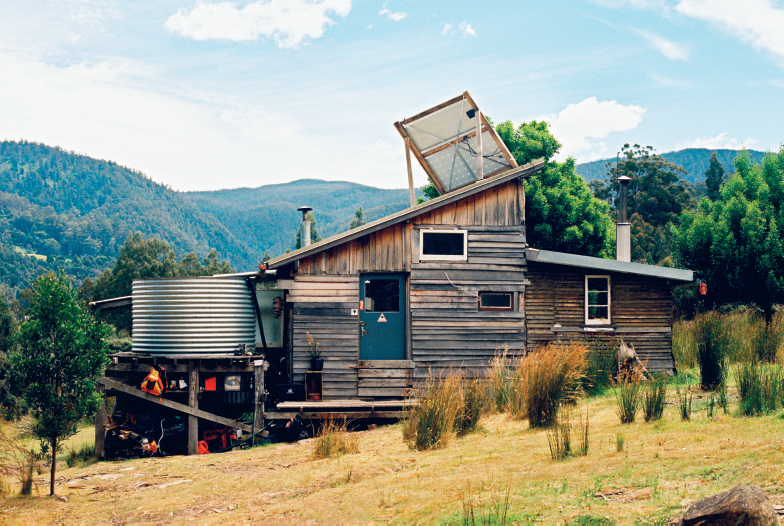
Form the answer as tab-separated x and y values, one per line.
623	232
304	231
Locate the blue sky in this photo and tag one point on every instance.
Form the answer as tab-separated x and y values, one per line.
203	95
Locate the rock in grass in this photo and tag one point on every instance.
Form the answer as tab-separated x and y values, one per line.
739	505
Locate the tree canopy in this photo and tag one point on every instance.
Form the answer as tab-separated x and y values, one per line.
736	242
561	213
714	176
62	352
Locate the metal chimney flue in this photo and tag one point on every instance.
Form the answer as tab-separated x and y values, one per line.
304	226
623	232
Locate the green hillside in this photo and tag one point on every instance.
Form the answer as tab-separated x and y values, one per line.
61	209
266	218
694	160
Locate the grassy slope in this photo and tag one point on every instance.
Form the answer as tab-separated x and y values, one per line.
664	467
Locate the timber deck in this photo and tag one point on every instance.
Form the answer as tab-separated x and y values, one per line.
338	409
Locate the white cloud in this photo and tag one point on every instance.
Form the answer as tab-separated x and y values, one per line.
467	29
289	22
776	82
721	142
580	127
758	22
397	17
668	48
464	27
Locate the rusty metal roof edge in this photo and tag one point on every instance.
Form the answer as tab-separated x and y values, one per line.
608	265
378	224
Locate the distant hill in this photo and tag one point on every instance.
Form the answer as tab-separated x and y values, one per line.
266	217
694	160
62	209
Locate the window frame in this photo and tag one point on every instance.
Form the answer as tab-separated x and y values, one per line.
510	308
599	321
439	257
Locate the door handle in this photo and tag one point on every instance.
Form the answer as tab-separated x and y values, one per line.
362	331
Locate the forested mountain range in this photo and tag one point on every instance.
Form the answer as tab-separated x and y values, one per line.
62	209
694	160
266	218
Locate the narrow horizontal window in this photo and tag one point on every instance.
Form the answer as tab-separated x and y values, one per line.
597	300
443	245
496	301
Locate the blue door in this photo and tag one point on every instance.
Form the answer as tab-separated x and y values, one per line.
382	317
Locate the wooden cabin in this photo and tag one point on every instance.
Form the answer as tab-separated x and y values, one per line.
448	283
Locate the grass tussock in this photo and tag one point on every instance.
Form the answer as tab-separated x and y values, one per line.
628	397
684	401
473	407
712	338
547	378
559	437
601	364
654	398
760	388
684	346
492	508
441	412
334	439
500	377
16	464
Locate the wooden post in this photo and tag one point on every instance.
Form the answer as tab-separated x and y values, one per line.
193	401
480	174
100	424
411	194
258	395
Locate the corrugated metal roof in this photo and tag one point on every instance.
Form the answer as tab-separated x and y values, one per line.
408	213
608	265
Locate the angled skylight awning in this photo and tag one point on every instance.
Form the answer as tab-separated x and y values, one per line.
444	140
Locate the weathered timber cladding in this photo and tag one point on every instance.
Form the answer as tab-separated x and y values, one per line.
641	311
322	307
389	249
447	328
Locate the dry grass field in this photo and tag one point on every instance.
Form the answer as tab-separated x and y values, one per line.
505	469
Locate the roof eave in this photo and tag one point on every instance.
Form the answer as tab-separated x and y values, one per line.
608	265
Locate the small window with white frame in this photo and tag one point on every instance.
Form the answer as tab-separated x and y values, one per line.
443	245
597	300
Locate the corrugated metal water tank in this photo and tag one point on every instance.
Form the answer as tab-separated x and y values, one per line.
178	316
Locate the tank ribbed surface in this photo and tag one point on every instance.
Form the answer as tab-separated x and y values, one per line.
179	316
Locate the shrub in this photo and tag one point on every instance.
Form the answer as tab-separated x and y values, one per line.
548	377
654	398
627	398
430	424
84	456
710	334
334	439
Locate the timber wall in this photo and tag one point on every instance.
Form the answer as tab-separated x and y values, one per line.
446	327
641	311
